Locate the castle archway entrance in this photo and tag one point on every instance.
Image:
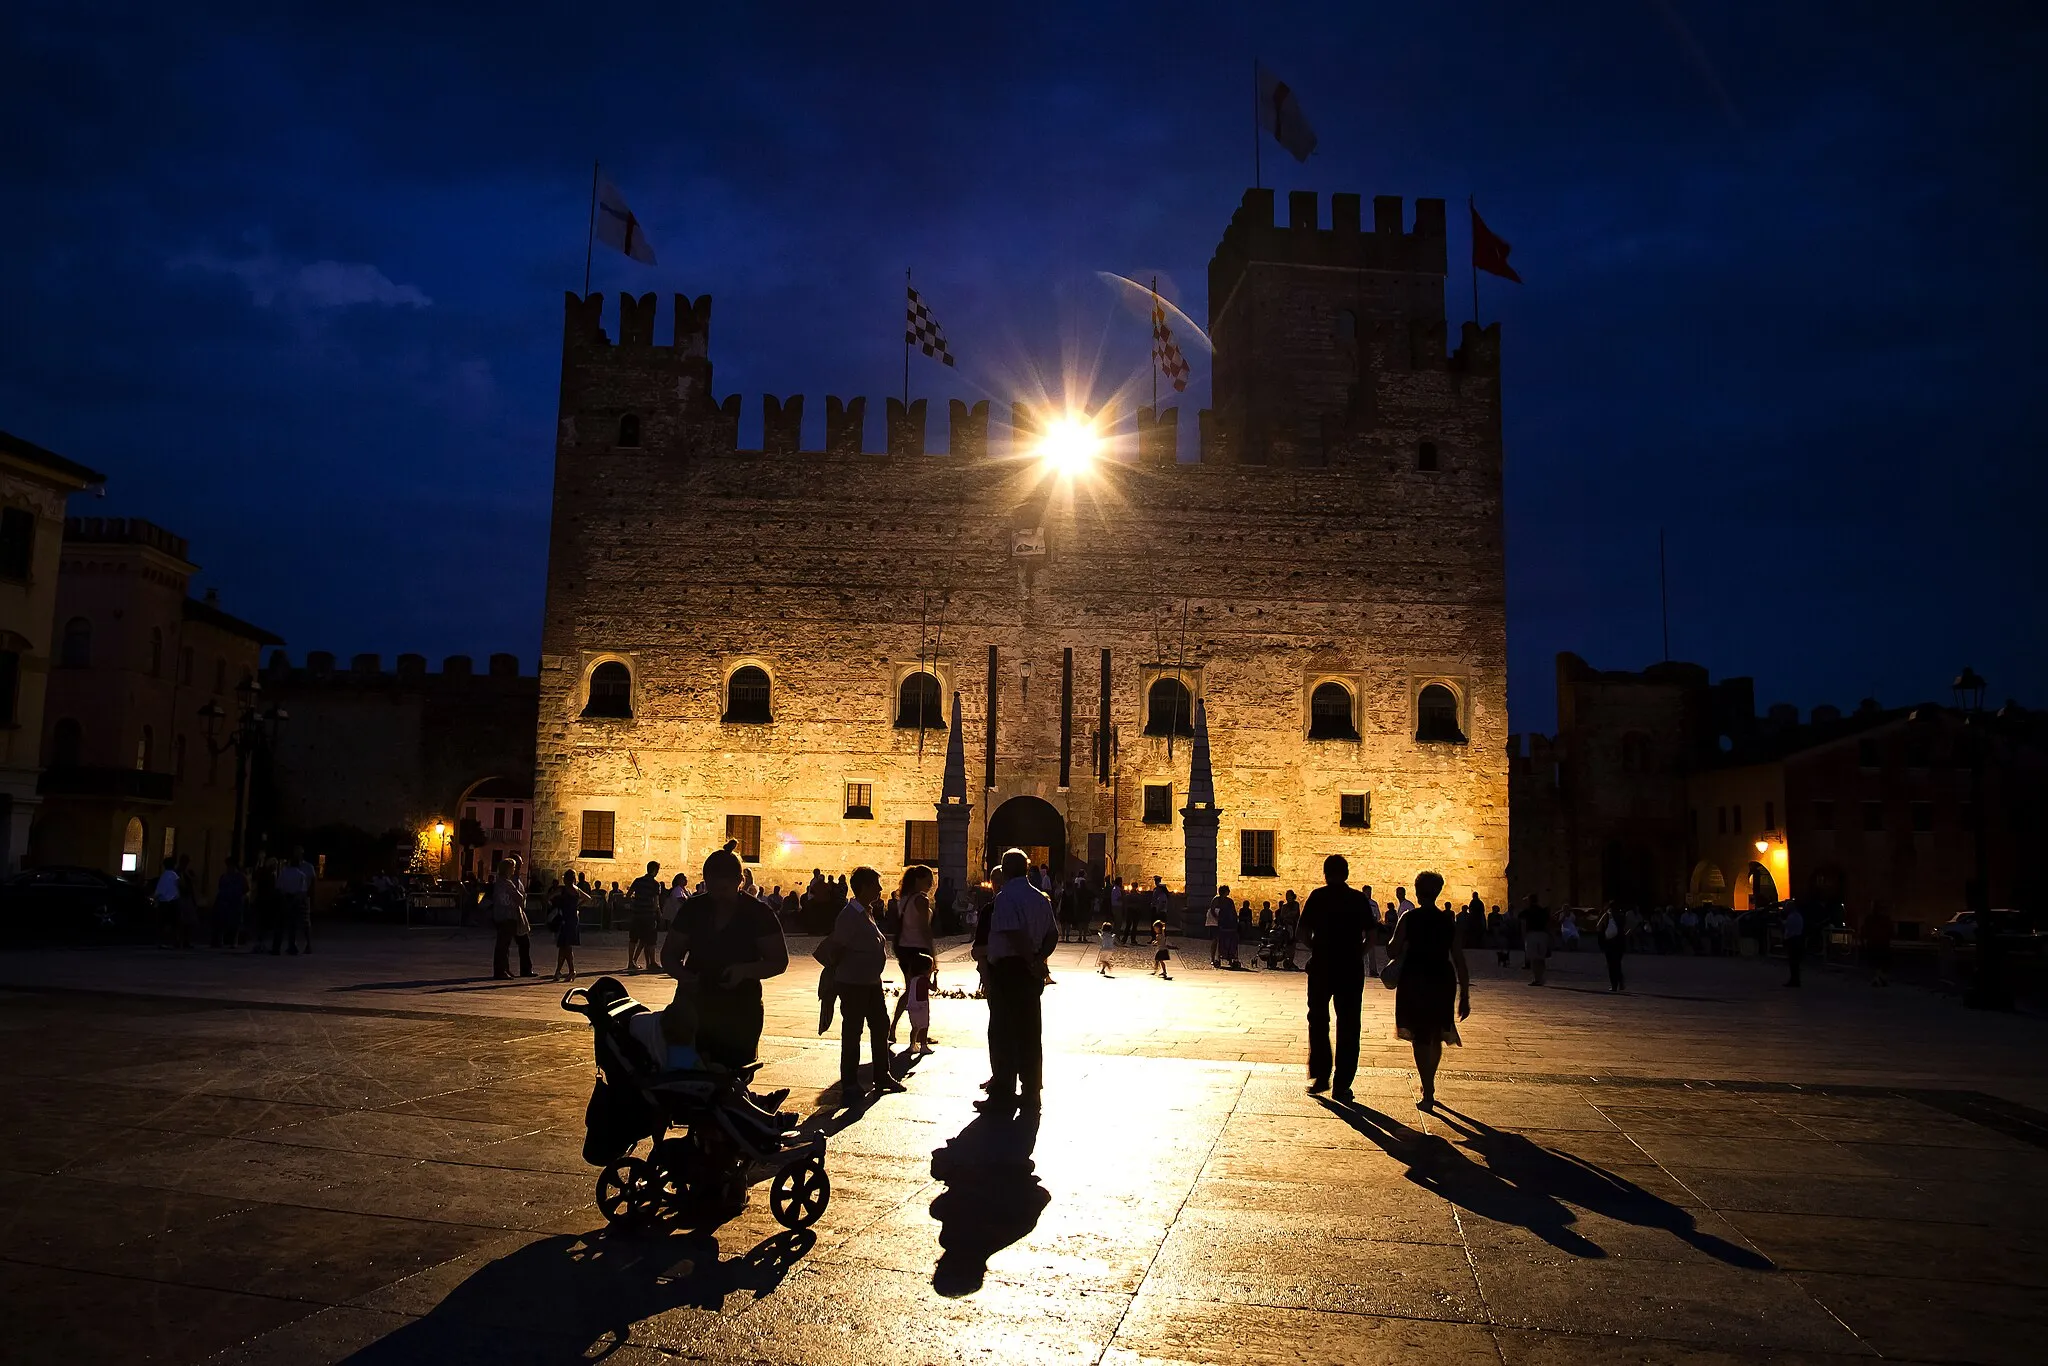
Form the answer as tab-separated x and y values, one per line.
1033	825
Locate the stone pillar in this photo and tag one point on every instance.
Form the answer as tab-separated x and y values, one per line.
1199	820
954	809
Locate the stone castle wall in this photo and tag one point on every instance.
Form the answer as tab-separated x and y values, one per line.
1293	560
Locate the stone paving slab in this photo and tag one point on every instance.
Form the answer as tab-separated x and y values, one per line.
368	1155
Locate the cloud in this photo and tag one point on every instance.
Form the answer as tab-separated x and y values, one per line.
316	284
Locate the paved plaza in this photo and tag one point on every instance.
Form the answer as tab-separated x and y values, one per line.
372	1154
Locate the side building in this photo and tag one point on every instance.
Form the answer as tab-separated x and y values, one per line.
137	767
34	485
373	767
1661	788
1320	578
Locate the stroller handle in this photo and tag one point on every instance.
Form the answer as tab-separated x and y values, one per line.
572	1004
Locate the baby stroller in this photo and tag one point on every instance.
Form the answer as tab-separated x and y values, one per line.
705	1130
1277	949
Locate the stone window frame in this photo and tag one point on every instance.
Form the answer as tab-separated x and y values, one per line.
1191	675
621	431
1365	810
731	665
1460	686
1250	844
849	781
899	674
1351	683
591	662
1145	786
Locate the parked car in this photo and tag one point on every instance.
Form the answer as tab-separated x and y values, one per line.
2010	926
73	904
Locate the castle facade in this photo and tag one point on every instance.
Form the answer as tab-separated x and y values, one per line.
780	646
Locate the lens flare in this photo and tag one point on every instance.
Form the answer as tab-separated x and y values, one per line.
1069	446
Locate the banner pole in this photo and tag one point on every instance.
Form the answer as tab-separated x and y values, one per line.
1258	176
906	355
590	236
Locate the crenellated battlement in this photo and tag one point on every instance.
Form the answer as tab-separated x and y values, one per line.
1255	238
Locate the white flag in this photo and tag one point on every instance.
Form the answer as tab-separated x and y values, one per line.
1280	115
616	226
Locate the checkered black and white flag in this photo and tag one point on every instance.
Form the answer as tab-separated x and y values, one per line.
923	331
1165	350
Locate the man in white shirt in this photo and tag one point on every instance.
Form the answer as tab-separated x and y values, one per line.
166	898
294	888
1021	937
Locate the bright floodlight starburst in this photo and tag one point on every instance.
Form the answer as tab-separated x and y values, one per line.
1069	445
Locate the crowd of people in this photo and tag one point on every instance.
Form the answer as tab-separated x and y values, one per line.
268	905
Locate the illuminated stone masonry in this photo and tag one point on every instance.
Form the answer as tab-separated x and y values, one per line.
733	638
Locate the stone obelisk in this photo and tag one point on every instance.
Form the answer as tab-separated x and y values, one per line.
1199	819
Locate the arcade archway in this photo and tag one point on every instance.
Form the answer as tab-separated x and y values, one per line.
1033	825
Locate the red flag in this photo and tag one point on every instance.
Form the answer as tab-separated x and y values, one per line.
1489	253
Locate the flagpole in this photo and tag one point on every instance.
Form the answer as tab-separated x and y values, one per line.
1258	176
1663	595
1472	212
1155	350
906	351
590	236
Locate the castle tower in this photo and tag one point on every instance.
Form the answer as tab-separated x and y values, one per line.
1311	322
1200	818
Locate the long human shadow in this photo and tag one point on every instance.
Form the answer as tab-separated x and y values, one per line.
1526	1184
574	1298
992	1198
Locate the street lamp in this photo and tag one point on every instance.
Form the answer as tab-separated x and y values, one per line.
1987	988
252	725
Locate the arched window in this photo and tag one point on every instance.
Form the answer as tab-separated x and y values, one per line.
629	430
1329	713
917	702
1425	456
611	690
156	651
1436	716
145	749
1635	753
77	652
1347	325
1169	708
132	840
746	695
67	743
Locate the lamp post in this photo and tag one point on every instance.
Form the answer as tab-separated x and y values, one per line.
252	725
1987	987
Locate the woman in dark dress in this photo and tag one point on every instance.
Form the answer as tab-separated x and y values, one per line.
1434	992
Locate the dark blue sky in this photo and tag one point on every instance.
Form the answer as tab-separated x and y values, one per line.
294	280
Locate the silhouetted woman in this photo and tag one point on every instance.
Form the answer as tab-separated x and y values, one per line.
1433	982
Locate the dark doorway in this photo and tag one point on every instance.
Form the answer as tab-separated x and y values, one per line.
1033	825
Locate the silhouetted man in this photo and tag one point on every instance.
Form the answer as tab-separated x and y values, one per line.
1335	923
1021	937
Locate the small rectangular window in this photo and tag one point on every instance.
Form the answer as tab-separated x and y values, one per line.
170	841
518	818
469	813
1770	815
1720	820
747	830
10	685
1735	819
1255	853
17	543
1354	809
1873	815
597	834
497	818
860	801
1158	804
921	842
1923	816
1823	815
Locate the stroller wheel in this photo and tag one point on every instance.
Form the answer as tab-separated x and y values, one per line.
800	1192
626	1193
